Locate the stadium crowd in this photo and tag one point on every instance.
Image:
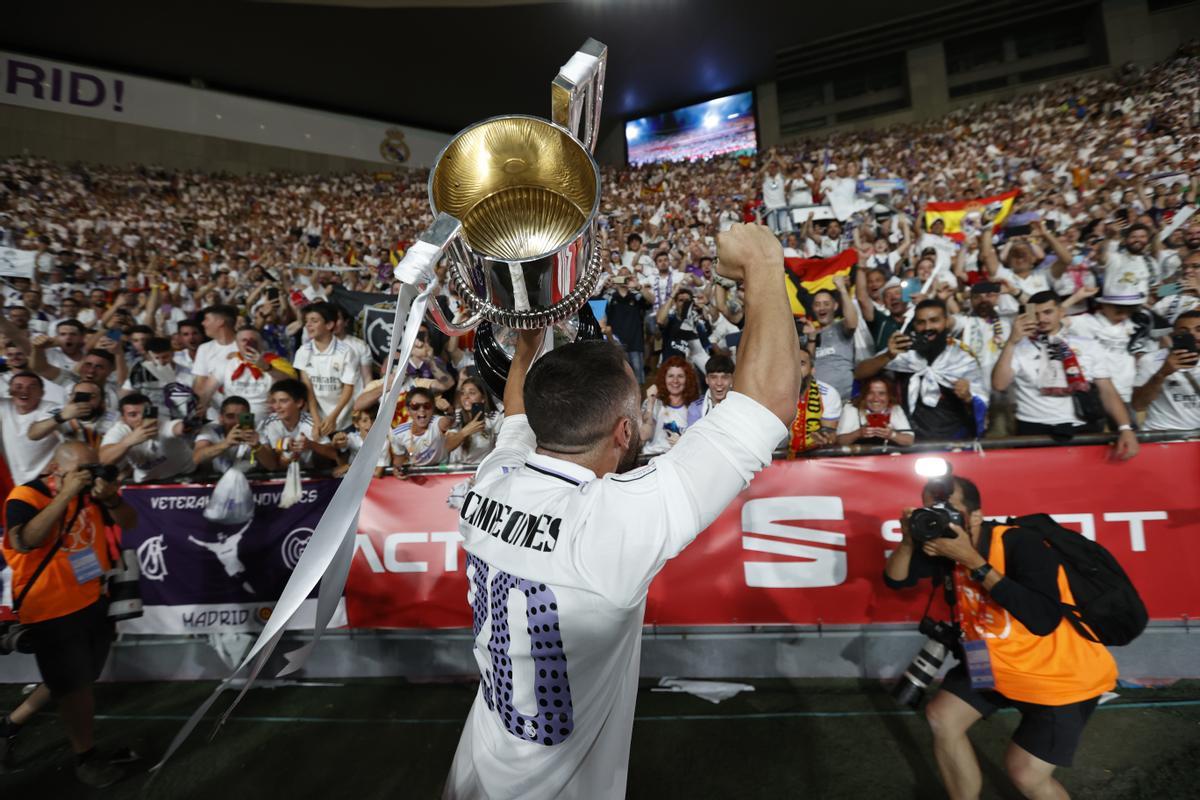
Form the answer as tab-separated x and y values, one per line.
185	322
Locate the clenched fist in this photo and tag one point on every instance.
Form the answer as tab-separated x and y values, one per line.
744	247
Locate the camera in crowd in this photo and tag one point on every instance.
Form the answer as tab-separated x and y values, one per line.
107	472
15	638
933	522
941	639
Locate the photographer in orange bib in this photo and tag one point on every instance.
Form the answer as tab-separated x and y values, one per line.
1015	648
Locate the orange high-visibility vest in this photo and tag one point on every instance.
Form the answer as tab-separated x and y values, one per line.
1052	670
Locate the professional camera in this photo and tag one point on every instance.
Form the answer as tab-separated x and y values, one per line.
124	591
933	522
942	638
15	638
108	472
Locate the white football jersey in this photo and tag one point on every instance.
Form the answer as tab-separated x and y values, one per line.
559	562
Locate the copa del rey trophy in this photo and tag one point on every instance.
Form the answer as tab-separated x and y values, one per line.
515	201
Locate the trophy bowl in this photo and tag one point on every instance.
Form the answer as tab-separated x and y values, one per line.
526	193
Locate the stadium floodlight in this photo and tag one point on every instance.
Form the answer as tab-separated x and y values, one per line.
632	131
710	121
931	467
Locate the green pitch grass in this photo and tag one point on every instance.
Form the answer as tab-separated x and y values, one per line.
788	739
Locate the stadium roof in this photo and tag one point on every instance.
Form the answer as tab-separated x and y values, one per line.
443	65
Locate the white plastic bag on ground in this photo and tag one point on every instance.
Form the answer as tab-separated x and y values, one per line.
712	691
291	487
232	501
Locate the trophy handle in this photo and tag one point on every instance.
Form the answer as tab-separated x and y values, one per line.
417	267
577	92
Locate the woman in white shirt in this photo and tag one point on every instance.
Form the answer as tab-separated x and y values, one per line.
474	401
875	417
664	412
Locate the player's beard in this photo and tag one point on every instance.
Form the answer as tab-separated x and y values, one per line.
630	456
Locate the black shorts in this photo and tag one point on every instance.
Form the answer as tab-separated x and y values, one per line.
1051	733
71	650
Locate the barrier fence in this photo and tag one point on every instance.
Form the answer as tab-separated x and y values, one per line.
805	544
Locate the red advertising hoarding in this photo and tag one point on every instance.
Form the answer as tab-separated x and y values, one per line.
806	542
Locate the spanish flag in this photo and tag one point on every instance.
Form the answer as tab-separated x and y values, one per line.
953	214
805	276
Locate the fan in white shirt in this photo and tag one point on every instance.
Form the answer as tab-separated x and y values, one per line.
329	369
228	440
1168	380
635	257
288	434
25	405
349	445
426	439
984	332
1133	262
1112	328
876	417
1036	363
153	446
341	332
219	323
247	374
563	542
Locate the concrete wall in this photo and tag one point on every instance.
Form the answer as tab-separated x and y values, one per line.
66	137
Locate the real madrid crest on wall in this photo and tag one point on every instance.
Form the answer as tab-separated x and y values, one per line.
393	148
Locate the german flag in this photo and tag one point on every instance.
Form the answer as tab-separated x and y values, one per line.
806	276
953	214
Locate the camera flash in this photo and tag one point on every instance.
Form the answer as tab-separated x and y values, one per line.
931	467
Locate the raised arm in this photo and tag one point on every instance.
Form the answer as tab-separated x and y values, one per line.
849	309
528	345
863	294
1062	254
1002	373
768	356
987	252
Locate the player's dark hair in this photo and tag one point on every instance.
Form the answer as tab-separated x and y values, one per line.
158	344
574	394
1193	314
1042	297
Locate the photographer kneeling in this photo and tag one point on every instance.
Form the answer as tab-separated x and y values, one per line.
1007	586
56	545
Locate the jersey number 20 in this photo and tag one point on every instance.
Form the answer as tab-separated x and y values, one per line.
552	721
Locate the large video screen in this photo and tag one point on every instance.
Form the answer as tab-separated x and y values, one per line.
723	125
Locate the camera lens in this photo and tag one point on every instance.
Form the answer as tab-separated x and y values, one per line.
910	689
927	524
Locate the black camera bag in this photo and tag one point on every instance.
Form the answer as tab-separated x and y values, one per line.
1108	609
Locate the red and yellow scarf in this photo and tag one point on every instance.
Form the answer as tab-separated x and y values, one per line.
809	409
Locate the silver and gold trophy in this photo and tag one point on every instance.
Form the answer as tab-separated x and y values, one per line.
515	201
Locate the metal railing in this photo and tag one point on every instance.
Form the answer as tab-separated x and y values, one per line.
830	451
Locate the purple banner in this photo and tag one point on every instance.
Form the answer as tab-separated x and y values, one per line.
203	577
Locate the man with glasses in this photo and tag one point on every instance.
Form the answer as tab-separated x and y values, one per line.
425	439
